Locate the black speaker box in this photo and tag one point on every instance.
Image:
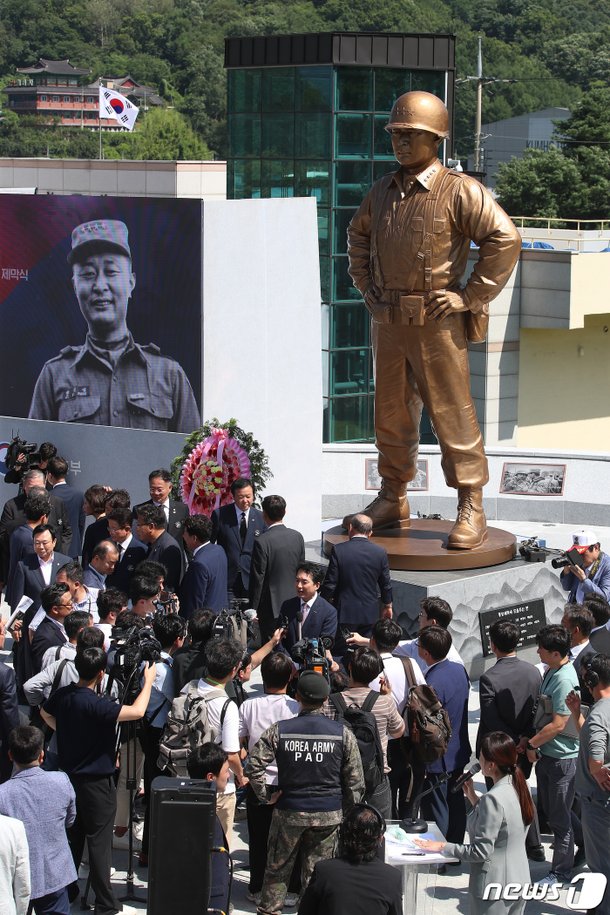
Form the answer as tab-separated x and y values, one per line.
182	812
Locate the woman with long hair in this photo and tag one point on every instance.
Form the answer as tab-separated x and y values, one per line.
497	825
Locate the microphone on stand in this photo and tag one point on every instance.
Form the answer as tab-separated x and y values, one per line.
465	777
415	823
300	625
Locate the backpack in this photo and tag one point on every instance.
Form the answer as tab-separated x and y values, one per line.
363	725
187	727
427	724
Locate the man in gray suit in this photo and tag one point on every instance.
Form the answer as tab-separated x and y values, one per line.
275	559
508	693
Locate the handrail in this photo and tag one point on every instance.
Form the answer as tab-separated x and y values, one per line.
542	222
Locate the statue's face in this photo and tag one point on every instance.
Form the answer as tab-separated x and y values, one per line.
413	148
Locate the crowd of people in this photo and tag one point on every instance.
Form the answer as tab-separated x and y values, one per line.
132	653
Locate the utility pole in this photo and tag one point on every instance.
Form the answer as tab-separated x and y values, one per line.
479	113
480	81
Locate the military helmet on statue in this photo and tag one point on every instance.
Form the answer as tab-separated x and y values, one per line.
420	111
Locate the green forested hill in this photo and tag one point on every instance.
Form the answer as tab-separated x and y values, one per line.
555	49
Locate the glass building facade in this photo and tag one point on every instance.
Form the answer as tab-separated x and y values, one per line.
317	130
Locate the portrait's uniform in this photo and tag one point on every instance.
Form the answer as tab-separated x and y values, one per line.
142	389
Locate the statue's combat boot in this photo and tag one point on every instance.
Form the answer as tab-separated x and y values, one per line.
389	509
470	528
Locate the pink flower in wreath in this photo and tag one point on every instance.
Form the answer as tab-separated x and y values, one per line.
210	469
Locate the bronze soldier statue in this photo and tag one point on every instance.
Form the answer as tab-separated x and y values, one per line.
408	246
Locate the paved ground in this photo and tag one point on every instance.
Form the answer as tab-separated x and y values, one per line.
438	894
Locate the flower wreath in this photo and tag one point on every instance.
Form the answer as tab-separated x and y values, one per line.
212	459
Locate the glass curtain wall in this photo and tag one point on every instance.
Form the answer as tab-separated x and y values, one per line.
318	131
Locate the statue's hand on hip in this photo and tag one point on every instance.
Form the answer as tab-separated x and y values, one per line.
381	312
442	303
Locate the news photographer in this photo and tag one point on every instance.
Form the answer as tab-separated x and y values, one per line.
255	716
144	591
363	667
593	769
85	723
189	663
585	569
205	624
169	630
22	456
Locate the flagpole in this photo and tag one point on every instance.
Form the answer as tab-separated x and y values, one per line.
99	114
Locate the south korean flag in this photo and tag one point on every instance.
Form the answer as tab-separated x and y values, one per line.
114	105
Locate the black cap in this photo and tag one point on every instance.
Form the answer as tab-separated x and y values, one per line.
313	687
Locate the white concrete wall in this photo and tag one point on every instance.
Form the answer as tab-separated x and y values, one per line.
261	339
584	502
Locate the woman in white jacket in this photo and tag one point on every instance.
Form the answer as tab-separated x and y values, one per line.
497	825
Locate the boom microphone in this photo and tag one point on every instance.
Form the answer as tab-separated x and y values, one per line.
465	777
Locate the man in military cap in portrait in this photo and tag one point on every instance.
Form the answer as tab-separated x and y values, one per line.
111	380
408	248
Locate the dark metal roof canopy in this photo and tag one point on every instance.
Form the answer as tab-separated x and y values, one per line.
372	49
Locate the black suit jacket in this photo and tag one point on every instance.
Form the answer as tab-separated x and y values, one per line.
580	664
225	532
73	500
94	534
178	513
13	516
321	621
28	579
205	582
275	559
48	635
358	576
9	716
338	887
167	551
135	553
508	692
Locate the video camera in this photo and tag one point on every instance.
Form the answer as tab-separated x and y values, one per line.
233	622
311	655
531	550
569	558
19	446
167	603
130	648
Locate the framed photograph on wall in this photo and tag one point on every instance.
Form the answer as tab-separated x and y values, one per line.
372	480
533	479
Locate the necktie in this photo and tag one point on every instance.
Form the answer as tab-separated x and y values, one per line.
165	509
304	611
120	549
243	528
